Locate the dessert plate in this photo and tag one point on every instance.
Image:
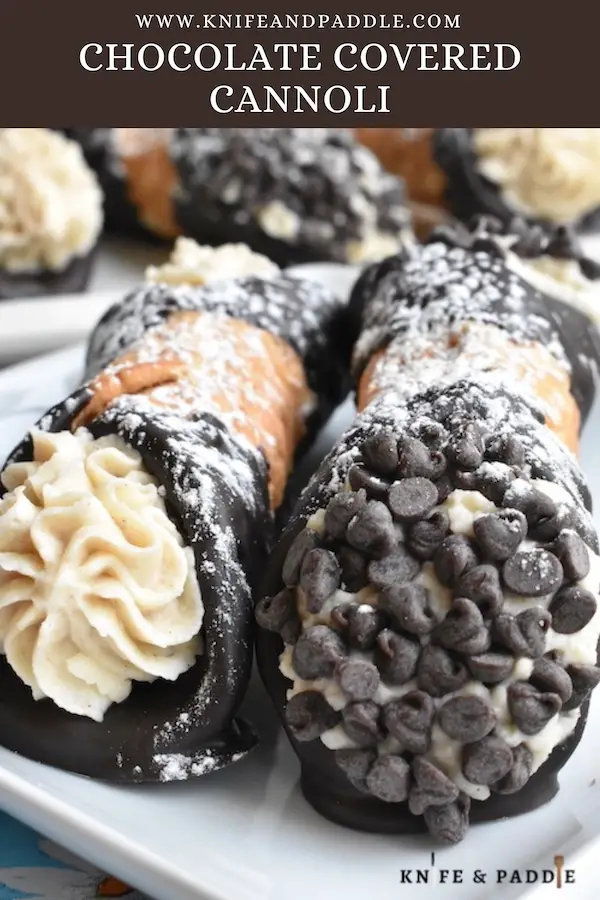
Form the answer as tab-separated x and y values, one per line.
246	833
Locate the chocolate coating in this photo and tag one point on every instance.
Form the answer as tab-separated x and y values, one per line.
73	279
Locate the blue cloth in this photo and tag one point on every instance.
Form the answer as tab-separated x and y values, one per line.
31	866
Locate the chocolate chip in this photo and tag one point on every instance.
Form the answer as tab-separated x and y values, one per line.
525	634
463	629
408	607
466	447
532	573
272	613
499	534
372	530
309	715
412	498
364	624
492	480
572	609
290	630
414	458
355	765
448	823
538	507
354	568
444	487
361	479
389	779
486	761
453	558
518	776
425	537
563	244
396	657
490	668
320	577
432	787
305	541
359	678
531	710
549	676
438	672
397	568
316	652
482	586
409	720
506	448
340	510
338	616
432	434
584	679
467	718
573	554
439	464
361	723
380	452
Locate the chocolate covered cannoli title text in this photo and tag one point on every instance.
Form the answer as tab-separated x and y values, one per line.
245	87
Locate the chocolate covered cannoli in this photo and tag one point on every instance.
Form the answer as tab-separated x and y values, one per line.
429	621
136	516
50	214
294	194
549	175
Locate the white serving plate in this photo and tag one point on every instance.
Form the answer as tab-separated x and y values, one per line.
246	833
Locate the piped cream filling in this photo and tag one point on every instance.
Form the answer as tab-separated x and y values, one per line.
192	263
50	201
97	589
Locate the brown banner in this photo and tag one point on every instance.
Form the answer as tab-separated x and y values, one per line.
148	63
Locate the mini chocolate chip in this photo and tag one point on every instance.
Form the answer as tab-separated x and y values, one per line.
359	678
536	505
530	709
499	534
439	464
273	612
290	630
563	244
412	498
549	676
355	765
431	788
466	447
320	577
414	458
525	634
571	609
432	434
372	530
364	624
506	448
584	679
490	668
361	479
467	718
518	776
463	629
492	480
354	568
409	608
305	541
453	558
397	568
309	715
389	779
573	554
380	452
409	720
339	616
361	723
486	761
425	537
532	573
444	487
482	586
316	652
449	823
438	672
589	268
396	657
340	510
